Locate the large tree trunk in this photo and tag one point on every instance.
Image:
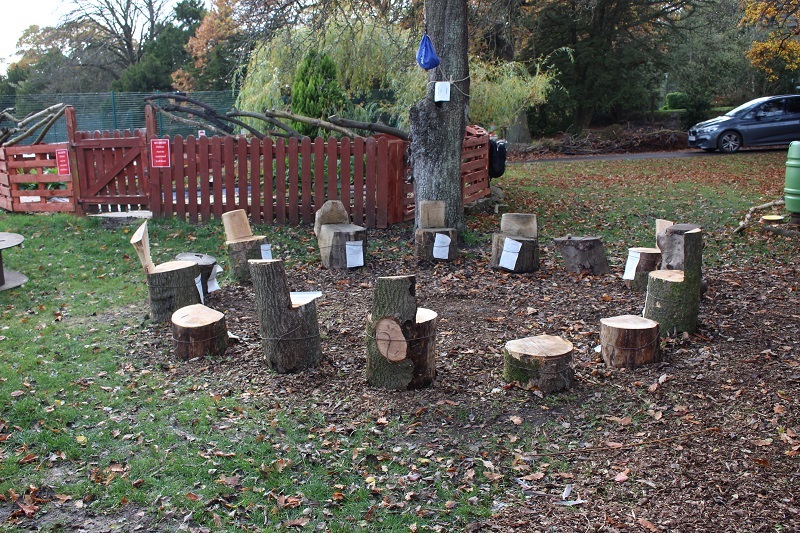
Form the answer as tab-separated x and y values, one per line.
437	129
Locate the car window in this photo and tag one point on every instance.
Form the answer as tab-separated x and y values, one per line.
793	105
773	108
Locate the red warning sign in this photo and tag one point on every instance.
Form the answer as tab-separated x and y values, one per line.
62	162
160	153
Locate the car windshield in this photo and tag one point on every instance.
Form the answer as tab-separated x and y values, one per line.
745	107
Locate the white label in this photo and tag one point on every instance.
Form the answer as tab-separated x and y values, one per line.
508	259
631	264
355	253
441	246
198	282
441	91
266	251
213	284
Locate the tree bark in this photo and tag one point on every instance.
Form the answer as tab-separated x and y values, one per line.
543	362
629	341
198	331
437	129
289	332
171	286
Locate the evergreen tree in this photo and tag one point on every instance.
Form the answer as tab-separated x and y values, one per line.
315	92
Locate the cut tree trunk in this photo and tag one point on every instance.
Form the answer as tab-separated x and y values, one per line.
198	331
401	338
543	362
520	258
670	241
242	251
206	264
629	341
333	247
648	260
429	247
583	254
289	331
171	285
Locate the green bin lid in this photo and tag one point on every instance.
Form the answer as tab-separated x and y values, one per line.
794	150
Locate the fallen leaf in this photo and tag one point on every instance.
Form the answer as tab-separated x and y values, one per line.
648	525
297	522
762	442
611	444
536	476
516	420
626	421
192	496
492	476
622	476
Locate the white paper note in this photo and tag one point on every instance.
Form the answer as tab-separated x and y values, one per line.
441	91
266	251
198	282
441	246
302	298
631	264
355	253
213	284
508	259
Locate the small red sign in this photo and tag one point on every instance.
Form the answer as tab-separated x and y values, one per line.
159	153
62	162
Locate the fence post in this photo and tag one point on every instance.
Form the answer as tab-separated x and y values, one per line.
72	127
396	171
152	176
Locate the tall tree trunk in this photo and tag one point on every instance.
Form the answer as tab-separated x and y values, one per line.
437	129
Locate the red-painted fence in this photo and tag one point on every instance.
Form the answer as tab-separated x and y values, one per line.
30	181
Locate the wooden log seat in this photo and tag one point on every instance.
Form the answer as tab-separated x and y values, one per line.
543	362
516	247
401	337
436	244
629	341
641	261
241	243
288	321
671	243
341	244
205	262
198	331
583	254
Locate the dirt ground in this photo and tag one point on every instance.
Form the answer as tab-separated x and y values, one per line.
705	441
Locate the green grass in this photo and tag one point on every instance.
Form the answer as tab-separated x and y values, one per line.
97	426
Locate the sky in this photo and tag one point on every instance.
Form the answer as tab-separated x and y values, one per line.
18	15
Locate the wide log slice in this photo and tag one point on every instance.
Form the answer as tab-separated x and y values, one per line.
171	285
514	253
198	331
289	329
543	362
583	254
436	244
648	259
628	341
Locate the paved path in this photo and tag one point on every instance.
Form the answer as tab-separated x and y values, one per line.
652	155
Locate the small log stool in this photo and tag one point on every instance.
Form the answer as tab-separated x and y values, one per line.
198	331
432	240
341	244
629	341
401	337
241	243
673	296
288	324
206	264
583	254
542	362
10	278
641	261
516	247
170	285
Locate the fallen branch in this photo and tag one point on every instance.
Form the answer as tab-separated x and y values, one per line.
375	127
746	222
781	231
48	117
319	123
287	130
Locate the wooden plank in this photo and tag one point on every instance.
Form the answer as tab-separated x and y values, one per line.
478	164
216	176
98	142
256	203
371	179
280	181
306	197
102	199
319	173
192	177
268	192
42	193
358	181
229	159
35	149
382	184
26	164
65	207
241	161
344	157
204	168
294	182
332	154
37	178
179	177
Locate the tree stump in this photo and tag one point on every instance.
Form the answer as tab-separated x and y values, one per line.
198	331
673	296
641	261
583	254
629	341
543	362
342	246
171	285
436	244
514	253
671	243
206	264
401	338
289	329
242	244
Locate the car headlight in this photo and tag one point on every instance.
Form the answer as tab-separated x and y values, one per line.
708	129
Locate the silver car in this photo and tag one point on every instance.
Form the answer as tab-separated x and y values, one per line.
766	121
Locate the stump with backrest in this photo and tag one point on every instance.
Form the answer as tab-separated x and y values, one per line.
241	243
341	244
170	285
516	247
433	241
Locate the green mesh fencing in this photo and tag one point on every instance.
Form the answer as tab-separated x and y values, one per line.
109	111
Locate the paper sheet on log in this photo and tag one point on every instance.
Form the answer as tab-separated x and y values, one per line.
198	282
266	251
441	246
631	264
508	259
302	298
213	284
355	253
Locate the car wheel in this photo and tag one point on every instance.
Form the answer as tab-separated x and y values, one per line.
729	142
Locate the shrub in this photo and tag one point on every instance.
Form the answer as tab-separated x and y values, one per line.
677	100
315	92
698	109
